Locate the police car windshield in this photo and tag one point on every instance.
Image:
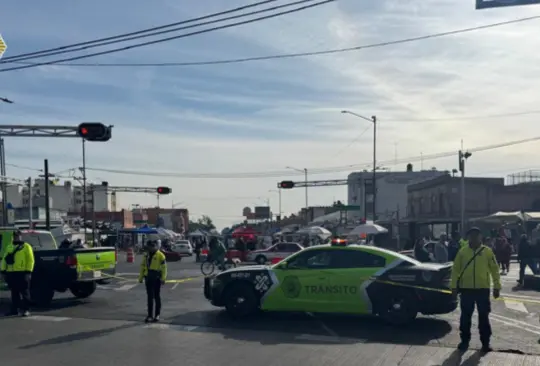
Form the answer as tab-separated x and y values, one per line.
39	241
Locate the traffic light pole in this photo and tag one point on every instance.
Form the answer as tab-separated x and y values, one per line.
40	131
84	182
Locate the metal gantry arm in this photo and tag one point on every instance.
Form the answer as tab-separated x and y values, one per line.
38	131
114	189
320	183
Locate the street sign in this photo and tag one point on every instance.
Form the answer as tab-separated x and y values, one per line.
9	205
488	4
3	46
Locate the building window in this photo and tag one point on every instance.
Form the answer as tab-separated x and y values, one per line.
421	206
78	202
442	210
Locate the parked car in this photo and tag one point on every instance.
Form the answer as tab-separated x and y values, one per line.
182	247
279	250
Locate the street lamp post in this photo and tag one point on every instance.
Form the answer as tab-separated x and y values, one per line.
373	120
462	156
305	171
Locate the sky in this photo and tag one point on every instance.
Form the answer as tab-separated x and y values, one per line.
477	88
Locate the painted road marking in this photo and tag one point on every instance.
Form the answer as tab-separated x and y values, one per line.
516	306
126	287
181	328
515	323
47	318
175	285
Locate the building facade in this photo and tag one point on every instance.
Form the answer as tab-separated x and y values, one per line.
439	199
64	197
392	194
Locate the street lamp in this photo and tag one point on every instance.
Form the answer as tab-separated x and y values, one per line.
373	120
279	193
463	156
305	171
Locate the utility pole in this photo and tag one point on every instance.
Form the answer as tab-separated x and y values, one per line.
30	203
47	208
93	195
4	186
374	119
463	156
84	179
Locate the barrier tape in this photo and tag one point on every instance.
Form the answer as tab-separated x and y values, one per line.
182	280
500	298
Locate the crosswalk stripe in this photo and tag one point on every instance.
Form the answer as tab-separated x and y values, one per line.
517	306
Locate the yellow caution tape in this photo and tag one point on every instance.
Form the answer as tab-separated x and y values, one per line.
501	298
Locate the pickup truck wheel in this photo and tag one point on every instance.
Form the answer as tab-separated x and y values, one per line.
241	301
82	290
261	259
41	295
398	308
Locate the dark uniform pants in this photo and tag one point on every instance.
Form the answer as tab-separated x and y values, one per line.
468	298
19	285
153	294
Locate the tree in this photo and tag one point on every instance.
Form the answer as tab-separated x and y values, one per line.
204	223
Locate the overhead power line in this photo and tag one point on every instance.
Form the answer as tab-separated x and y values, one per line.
288	55
313	171
46	52
161	40
153	34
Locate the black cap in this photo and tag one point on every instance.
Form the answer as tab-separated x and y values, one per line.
474	230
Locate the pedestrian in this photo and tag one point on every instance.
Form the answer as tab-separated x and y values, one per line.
475	267
16	266
525	258
503	252
440	250
420	252
453	246
154	274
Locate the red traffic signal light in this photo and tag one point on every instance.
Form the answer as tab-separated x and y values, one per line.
164	190
286	184
94	131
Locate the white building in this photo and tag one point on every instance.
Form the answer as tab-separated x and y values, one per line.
64	197
391	191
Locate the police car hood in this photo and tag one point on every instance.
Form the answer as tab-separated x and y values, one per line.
246	269
433	266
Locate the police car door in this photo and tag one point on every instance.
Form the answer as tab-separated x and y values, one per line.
303	283
351	272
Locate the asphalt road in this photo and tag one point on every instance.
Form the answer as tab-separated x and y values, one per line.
114	314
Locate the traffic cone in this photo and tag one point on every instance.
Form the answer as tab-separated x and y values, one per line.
130	256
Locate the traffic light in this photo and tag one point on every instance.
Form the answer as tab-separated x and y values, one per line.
164	190
286	184
94	131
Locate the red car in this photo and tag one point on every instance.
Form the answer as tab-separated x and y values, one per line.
277	251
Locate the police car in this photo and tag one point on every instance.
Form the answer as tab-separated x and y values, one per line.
337	278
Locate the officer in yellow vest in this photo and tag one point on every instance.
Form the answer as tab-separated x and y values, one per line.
154	274
17	265
473	271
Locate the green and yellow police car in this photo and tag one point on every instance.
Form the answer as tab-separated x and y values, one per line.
347	279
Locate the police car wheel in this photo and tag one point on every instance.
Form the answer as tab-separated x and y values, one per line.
261	259
82	290
240	300
398	308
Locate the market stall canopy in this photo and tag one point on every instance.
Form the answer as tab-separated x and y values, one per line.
314	231
198	233
501	217
369	228
143	230
244	232
532	216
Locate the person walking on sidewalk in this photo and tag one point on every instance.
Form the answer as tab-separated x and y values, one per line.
154	274
475	267
525	258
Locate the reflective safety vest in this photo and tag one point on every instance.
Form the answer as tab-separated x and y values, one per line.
478	273
23	259
154	265
463	243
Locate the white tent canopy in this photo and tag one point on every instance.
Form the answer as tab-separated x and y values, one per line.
197	233
501	217
369	228
314	231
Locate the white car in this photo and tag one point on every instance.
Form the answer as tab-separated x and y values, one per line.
279	250
182	247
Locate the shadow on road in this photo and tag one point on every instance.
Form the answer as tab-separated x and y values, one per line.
78	336
328	328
